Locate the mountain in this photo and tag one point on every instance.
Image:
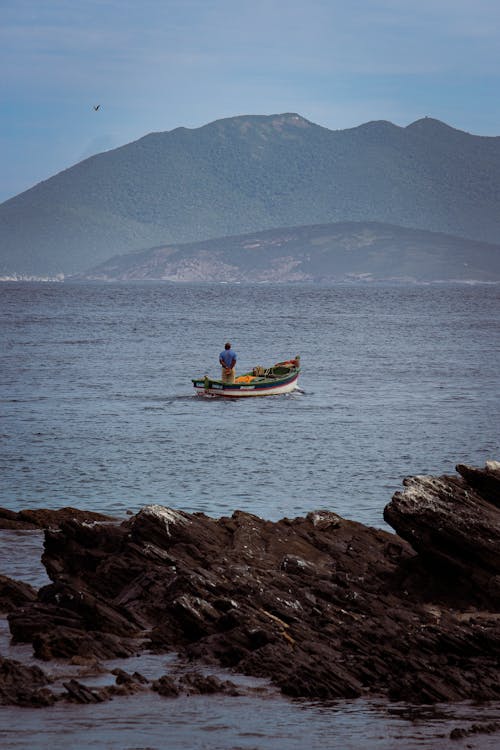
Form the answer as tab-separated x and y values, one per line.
250	173
366	251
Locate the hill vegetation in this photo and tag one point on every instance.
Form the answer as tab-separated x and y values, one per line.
251	173
356	251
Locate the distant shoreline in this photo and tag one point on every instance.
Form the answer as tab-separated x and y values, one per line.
339	282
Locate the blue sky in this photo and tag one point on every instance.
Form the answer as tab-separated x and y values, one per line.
154	65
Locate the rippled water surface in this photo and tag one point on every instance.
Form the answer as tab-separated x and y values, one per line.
219	723
97	411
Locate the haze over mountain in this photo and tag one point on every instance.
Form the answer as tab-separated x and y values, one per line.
344	251
251	173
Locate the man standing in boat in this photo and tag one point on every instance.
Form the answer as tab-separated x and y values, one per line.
227	359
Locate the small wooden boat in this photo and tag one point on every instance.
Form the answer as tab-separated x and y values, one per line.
280	378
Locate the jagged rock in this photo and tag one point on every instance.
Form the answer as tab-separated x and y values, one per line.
485	481
454	525
128	684
78	693
193	683
14	594
44	518
166	686
67	622
125	684
491	727
322	606
124	678
21	685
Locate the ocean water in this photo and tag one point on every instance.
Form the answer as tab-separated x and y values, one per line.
98	408
97	411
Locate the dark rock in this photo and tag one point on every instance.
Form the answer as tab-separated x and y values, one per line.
21	685
66	643
193	683
458	733
124	678
78	693
166	686
324	607
125	684
491	727
485	481
66	622
43	518
14	594
454	528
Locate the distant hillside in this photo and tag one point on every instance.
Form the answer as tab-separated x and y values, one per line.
250	173
329	252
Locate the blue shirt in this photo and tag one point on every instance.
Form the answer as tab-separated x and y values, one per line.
227	357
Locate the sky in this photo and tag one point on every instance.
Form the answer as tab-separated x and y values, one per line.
154	65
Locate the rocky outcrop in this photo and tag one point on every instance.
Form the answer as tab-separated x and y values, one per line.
44	518
14	594
194	683
22	685
125	684
454	525
322	606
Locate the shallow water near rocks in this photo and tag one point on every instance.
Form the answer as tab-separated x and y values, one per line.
97	411
198	723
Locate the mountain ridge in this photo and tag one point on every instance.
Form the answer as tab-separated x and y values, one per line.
251	173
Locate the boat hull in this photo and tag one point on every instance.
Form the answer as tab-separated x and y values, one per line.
244	391
206	387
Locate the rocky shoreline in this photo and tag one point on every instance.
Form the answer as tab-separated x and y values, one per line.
323	607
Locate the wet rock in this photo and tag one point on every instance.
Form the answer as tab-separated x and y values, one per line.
14	594
66	643
193	683
68	622
44	518
491	727
124	678
21	685
78	693
166	686
125	684
324	607
87	663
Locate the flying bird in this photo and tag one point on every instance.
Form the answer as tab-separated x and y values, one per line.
96	107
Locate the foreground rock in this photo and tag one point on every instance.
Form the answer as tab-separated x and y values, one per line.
322	606
454	525
14	594
44	518
23	686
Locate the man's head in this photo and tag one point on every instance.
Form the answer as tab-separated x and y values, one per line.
227	346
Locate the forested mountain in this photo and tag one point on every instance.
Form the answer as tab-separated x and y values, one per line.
353	251
252	173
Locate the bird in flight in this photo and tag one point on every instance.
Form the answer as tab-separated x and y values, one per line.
96	107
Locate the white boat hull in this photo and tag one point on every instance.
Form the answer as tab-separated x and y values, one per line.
245	391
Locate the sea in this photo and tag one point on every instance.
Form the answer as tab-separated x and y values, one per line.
98	411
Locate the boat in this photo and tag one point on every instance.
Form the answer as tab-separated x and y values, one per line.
261	381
